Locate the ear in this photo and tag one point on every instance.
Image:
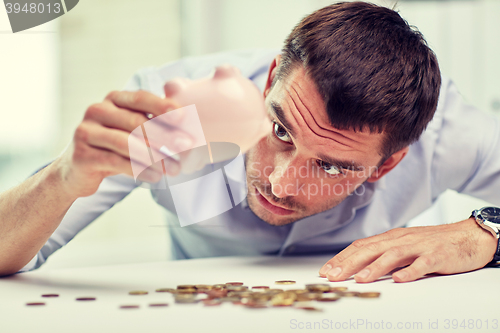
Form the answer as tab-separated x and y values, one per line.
271	74
388	165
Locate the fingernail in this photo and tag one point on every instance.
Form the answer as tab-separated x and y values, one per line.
335	272
401	275
325	269
363	274
182	143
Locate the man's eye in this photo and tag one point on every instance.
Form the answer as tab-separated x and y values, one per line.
281	133
330	169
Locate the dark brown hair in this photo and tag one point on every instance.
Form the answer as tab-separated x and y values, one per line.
373	70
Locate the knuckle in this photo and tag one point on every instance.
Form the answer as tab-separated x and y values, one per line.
82	133
397	252
347	263
136	121
138	97
337	259
93	111
112	95
358	243
373	247
376	266
428	261
396	232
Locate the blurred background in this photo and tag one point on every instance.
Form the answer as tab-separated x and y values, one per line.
50	74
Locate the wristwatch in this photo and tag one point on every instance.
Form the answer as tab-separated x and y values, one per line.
489	219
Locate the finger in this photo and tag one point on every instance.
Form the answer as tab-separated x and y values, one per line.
110	163
109	115
117	141
421	266
393	258
356	261
340	257
142	101
358	245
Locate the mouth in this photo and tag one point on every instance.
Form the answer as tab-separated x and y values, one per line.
270	207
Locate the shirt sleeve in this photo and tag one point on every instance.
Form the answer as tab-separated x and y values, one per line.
467	154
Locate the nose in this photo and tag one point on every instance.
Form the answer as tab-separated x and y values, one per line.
284	179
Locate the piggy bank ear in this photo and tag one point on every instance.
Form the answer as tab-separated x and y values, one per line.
225	71
174	86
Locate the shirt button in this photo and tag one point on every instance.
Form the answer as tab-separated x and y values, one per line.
291	248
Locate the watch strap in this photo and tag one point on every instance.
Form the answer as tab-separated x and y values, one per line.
496	256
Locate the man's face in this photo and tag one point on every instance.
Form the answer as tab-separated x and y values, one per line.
305	166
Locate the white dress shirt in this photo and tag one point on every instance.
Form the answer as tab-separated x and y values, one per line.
459	150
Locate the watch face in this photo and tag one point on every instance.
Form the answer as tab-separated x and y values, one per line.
491	214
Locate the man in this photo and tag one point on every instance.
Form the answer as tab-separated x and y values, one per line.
349	96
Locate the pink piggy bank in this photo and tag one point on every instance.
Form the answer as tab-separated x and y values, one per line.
230	107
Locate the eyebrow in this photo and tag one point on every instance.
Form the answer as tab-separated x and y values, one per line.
344	164
280	114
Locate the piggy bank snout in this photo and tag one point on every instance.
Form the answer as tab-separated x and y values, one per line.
226	71
175	86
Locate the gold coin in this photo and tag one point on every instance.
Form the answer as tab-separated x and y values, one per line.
237	288
186	291
283	299
203	287
186	286
285	282
348	294
328	298
298	291
318	287
86	299
165	290
369	294
138	292
309	296
218	286
260	287
234	283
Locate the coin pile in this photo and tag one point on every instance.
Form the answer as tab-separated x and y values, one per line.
256	297
261	296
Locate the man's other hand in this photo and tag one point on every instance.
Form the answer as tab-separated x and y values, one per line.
445	249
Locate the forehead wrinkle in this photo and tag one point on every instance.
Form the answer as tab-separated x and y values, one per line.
318	125
310	128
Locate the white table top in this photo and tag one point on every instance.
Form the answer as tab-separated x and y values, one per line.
438	300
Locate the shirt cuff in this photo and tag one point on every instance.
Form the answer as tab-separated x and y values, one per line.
31	265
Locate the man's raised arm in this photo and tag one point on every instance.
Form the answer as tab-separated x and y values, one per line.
30	212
